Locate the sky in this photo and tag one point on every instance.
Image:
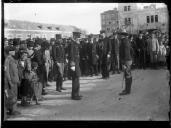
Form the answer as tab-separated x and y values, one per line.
82	15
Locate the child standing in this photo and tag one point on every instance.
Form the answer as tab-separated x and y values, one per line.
35	84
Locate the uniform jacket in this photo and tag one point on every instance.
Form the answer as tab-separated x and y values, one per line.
58	53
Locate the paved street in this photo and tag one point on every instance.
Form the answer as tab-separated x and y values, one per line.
149	100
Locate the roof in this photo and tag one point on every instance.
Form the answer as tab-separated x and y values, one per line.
17	24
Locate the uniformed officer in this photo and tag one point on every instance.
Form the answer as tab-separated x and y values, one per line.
126	59
74	59
59	59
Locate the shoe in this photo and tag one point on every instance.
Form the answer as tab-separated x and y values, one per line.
44	93
76	98
15	113
25	103
58	90
63	88
123	93
37	103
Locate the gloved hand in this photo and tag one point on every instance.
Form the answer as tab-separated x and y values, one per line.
108	55
73	68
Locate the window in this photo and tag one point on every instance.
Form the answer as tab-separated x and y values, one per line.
148	19
49	28
108	29
125	8
57	28
156	18
125	21
129	20
152	19
129	8
39	26
109	22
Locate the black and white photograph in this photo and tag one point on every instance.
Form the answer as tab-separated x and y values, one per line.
86	61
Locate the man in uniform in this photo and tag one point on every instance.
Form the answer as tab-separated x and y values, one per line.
106	52
59	59
126	59
12	82
74	59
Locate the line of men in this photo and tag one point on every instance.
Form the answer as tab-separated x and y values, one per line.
59	59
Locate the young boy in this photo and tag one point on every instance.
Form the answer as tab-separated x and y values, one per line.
35	84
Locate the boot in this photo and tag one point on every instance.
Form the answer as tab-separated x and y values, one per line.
129	85
58	85
128	82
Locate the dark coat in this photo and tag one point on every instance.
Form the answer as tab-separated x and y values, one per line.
125	50
94	53
115	46
58	53
106	46
74	58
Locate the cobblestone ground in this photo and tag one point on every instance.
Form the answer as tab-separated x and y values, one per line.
149	100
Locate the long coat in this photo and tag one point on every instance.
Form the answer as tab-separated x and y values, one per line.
74	58
125	50
11	74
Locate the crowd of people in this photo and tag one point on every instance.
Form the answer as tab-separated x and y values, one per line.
30	64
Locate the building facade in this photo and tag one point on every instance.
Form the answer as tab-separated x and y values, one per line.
134	20
109	21
24	30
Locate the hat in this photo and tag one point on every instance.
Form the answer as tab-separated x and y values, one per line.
30	44
124	33
34	64
11	48
16	42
